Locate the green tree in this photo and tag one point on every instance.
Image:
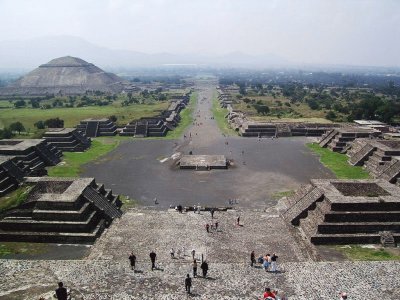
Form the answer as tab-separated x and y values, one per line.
17	126
19	103
39	124
6	133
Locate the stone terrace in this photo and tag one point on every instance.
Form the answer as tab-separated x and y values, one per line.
106	273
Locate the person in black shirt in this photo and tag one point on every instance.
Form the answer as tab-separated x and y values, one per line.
274	257
132	258
153	256
61	292
204	268
188	283
252	258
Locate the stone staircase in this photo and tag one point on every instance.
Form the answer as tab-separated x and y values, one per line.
301	205
92	129
392	173
49	154
362	155
327	137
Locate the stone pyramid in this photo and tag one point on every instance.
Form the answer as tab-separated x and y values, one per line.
65	76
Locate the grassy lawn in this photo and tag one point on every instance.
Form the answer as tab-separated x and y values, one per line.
356	252
72	163
186	118
15	198
279	195
72	116
7	248
219	114
338	164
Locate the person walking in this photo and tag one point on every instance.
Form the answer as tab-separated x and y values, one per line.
204	268
208	228
188	283
212	213
216	225
132	259
193	253
274	257
252	258
238	221
172	252
61	292
153	256
194	266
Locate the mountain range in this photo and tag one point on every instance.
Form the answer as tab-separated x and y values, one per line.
28	54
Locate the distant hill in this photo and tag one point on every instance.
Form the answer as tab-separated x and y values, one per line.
14	55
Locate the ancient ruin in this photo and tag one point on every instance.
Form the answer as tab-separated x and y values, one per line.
32	155
380	157
65	76
345	211
11	174
341	139
60	210
159	125
67	139
97	127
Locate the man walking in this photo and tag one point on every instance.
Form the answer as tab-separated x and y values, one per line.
188	283
252	258
204	268
153	256
61	292
132	259
208	228
193	253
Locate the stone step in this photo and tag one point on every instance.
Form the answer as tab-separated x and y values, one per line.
354	227
362	216
345	239
53	237
11	223
62	215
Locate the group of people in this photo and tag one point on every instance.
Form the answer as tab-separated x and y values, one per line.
132	259
268	261
188	280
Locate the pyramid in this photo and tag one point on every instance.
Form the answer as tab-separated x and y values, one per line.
65	76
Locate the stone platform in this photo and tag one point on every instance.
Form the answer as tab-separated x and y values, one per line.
346	211
106	274
203	162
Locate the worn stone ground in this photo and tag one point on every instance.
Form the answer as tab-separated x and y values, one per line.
106	274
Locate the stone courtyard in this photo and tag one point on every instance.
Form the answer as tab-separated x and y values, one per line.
143	170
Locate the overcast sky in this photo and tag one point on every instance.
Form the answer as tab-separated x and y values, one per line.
355	32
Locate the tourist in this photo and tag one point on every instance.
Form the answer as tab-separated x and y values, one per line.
252	258
238	221
194	266
172	252
268	294
132	259
193	253
343	296
216	225
188	283
180	208
153	256
178	252
266	262
212	213
204	268
273	262
194	208
61	292
155	201
208	228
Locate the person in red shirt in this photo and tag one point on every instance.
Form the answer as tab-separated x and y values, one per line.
268	294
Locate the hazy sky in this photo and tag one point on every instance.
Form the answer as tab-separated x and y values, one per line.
356	32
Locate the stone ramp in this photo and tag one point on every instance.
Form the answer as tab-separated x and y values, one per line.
358	158
102	203
326	139
392	172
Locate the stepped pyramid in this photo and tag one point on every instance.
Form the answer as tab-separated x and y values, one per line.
65	76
